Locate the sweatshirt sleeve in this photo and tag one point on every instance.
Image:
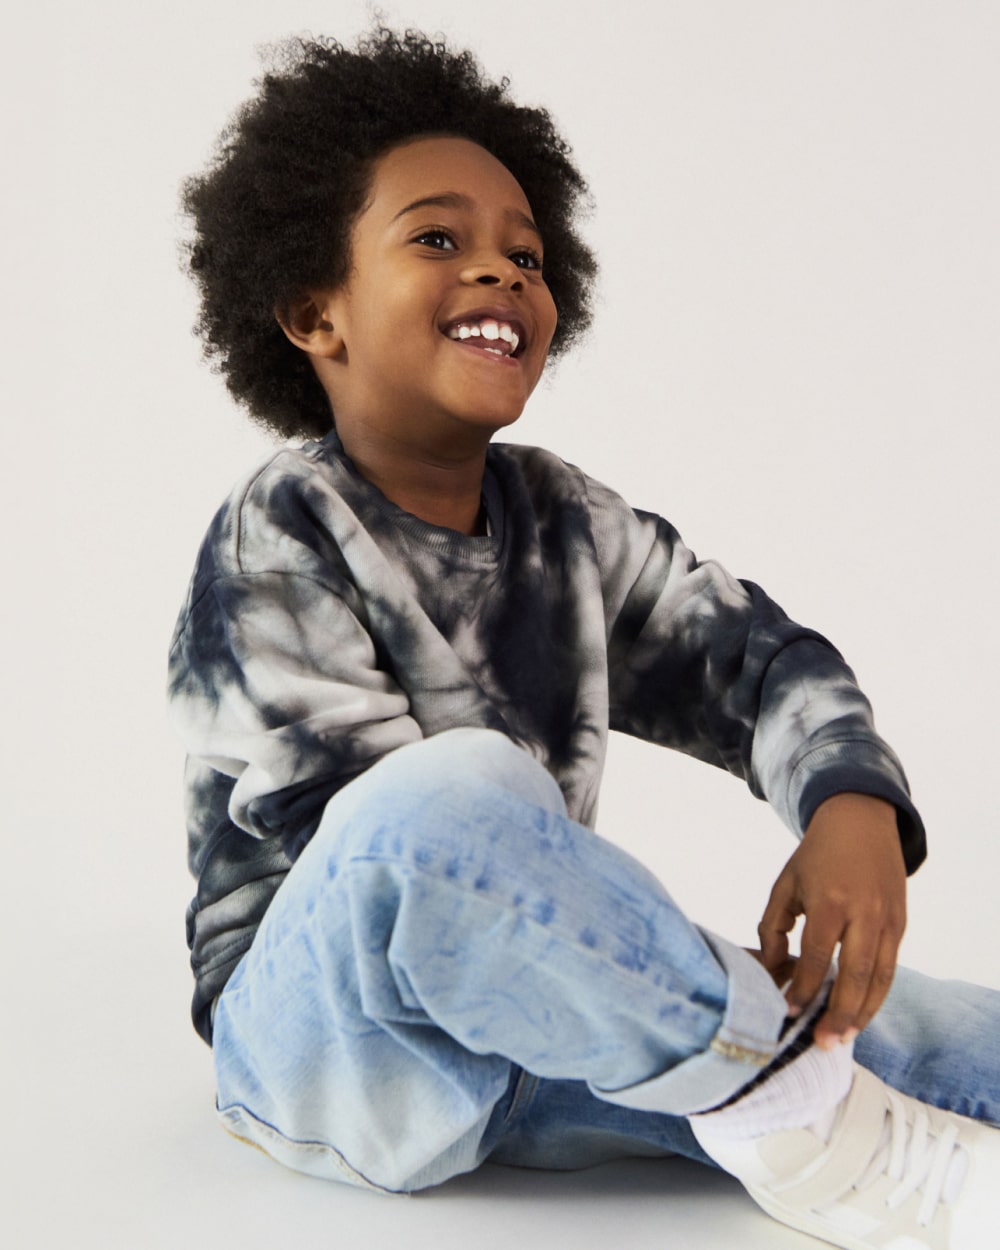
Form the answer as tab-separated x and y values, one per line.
709	665
275	682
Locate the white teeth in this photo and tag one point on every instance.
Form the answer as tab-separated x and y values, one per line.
490	330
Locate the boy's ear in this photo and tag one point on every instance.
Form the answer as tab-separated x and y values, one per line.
307	323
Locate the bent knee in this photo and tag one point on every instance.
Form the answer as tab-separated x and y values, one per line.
492	756
460	770
457	759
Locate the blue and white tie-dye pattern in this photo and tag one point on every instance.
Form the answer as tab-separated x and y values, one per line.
325	627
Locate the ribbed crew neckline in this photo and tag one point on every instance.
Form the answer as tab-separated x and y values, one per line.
481	548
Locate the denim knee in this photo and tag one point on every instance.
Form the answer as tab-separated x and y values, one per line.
467	770
458	757
452	763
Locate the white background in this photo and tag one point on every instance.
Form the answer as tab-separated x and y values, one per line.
795	359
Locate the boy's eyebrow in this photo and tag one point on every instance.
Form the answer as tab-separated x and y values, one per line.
452	199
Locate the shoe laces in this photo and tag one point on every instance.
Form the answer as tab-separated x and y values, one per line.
919	1153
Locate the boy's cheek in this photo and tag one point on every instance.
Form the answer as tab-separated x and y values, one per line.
546	323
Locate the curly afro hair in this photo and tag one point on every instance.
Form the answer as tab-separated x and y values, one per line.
272	215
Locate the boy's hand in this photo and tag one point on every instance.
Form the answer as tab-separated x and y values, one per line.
848	879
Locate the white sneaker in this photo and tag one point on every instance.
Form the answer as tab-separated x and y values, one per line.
884	1172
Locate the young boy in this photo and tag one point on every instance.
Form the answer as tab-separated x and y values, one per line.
395	673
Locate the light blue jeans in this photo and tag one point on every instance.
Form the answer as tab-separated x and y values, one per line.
455	971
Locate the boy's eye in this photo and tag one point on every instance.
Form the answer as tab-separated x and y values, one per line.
439	239
526	259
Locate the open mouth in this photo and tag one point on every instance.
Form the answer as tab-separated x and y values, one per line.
495	335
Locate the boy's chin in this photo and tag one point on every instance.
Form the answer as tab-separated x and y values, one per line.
496	407
489	419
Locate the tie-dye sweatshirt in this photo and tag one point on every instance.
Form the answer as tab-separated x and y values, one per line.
325	627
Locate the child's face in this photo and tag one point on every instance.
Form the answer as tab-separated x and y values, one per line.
444	247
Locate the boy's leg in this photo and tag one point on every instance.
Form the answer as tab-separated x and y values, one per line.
938	1041
447	926
429	943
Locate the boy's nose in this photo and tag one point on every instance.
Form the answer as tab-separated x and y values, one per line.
499	272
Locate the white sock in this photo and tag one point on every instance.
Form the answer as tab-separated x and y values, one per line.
802	1094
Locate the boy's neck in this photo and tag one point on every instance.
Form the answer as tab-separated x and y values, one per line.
441	491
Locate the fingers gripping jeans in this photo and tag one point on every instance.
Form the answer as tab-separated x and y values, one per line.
454	970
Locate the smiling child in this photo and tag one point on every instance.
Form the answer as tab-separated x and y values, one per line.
402	651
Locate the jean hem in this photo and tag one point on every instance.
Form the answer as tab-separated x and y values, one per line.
745	1042
311	1157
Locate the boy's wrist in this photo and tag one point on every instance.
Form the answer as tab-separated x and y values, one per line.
851	805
